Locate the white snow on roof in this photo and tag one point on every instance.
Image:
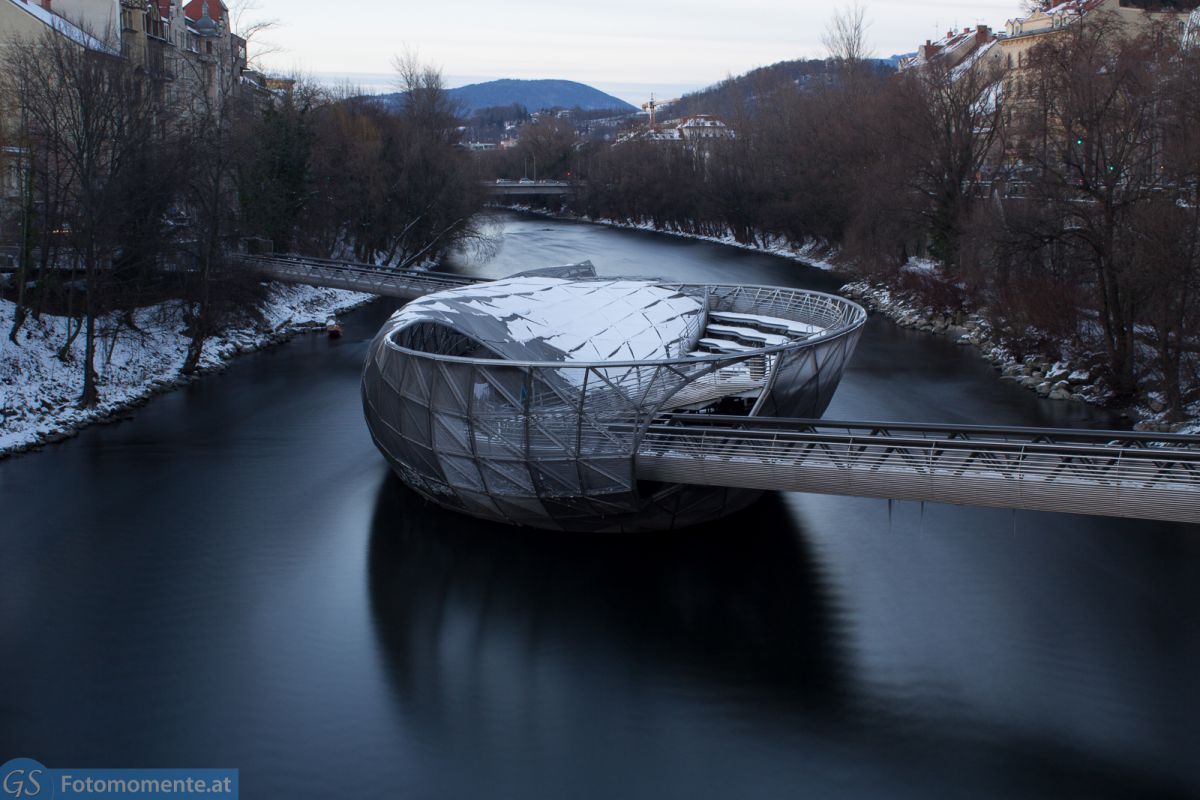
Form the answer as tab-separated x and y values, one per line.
970	61
552	319
793	327
57	23
751	335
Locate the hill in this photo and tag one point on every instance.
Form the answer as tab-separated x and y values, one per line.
534	95
735	94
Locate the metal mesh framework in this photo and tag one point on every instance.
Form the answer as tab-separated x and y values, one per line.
553	444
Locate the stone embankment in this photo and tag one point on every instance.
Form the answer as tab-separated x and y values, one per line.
1051	379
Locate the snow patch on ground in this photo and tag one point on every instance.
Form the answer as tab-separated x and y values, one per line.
922	266
38	390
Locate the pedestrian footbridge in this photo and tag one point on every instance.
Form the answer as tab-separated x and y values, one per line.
406	284
1118	474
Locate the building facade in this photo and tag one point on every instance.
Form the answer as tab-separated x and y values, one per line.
698	129
25	20
1135	16
193	61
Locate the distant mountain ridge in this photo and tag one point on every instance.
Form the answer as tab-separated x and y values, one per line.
535	95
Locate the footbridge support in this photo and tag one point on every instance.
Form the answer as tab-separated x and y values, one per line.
1118	474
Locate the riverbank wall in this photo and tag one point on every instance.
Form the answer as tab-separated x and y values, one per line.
39	391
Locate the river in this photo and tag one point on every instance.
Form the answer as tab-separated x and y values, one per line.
231	578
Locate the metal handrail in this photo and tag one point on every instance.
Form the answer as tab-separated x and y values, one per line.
1025	433
1113	473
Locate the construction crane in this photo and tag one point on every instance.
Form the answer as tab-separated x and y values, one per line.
653	104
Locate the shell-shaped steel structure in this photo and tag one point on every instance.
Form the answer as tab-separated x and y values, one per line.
525	400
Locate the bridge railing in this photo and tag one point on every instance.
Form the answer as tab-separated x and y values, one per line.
1141	475
353	275
938	431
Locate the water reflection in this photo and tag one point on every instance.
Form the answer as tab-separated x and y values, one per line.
463	605
721	659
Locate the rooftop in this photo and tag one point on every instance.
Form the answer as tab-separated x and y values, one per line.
57	23
547	319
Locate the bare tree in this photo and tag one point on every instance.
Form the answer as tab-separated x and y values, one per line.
1088	126
212	199
945	121
845	37
212	134
91	116
425	99
1169	236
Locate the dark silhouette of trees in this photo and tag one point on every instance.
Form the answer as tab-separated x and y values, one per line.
1067	203
1064	198
387	187
1089	133
129	201
90	121
274	171
945	123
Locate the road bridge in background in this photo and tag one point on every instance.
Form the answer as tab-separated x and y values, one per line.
528	188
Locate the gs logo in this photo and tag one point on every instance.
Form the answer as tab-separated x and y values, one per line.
24	779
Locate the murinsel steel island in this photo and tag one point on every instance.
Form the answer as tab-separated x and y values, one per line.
525	400
560	400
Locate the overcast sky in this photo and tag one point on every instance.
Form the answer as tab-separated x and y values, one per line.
626	47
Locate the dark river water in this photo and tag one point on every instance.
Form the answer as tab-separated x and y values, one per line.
232	579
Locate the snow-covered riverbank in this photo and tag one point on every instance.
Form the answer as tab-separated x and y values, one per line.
1054	378
38	391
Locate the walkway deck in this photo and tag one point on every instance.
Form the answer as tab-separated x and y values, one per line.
1134	475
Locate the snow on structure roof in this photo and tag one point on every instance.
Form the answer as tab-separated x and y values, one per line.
702	121
552	319
60	25
970	61
791	326
1043	19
